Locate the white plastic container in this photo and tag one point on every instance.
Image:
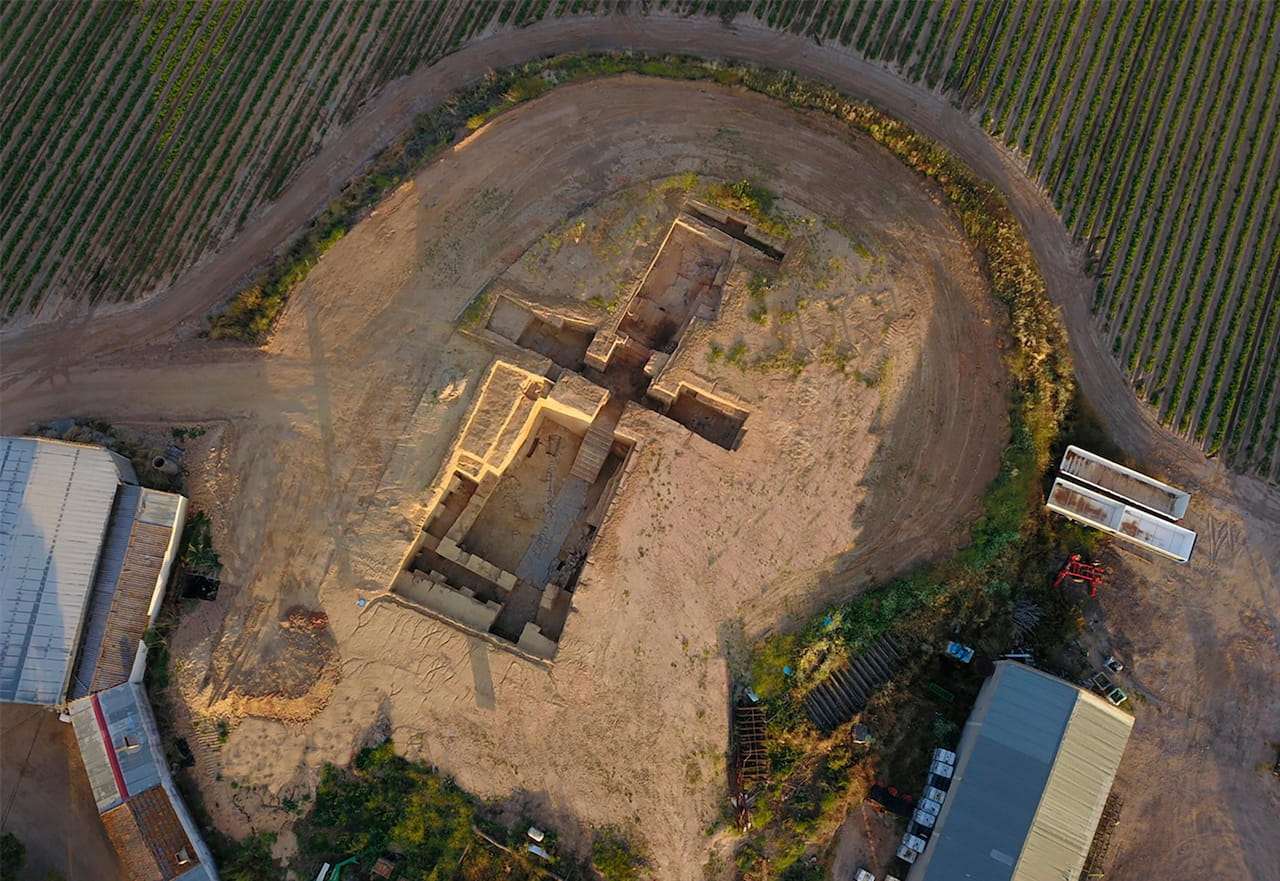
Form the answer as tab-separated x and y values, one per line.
913	842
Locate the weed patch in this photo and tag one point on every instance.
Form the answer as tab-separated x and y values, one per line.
752	200
385	804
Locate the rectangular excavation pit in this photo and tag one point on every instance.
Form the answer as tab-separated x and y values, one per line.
503	544
539	459
708	416
535	486
686	269
563	340
736	227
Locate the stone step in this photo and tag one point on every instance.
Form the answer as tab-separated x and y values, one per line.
596	444
591	457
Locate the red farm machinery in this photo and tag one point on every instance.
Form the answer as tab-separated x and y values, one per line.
1081	573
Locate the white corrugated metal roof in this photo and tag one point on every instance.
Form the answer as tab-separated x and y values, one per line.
121	757
55	503
1033	770
124	758
1077	789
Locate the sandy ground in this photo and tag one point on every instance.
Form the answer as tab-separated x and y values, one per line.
321	450
630	725
46	801
1201	639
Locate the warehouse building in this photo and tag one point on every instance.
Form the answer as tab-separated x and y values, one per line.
85	558
144	816
1032	774
85	555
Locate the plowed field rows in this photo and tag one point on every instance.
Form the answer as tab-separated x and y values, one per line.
140	137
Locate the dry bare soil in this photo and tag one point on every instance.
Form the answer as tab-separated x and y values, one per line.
323	447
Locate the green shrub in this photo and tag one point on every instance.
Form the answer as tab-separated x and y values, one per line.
197	545
13	856
251	860
157	674
615	856
754	201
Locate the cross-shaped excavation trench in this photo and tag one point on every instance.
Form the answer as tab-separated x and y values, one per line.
541	456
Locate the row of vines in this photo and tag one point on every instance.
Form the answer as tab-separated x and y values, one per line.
1153	127
141	136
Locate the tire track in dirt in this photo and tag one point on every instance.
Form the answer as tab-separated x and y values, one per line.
1197	632
1060	259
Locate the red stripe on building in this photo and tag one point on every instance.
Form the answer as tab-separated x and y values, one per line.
110	747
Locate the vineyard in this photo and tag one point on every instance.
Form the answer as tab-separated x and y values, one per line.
140	137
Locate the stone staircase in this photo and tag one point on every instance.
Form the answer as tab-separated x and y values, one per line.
851	685
596	443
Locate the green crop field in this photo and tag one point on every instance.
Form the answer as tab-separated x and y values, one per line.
141	136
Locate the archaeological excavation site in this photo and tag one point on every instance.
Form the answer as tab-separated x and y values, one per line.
548	441
621	441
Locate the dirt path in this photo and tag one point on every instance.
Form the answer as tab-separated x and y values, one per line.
332	434
206	284
46	800
1202	639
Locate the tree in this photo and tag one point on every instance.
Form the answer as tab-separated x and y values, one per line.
251	860
13	856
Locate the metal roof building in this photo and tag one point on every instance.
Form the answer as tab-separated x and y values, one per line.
1033	770
144	815
85	556
55	503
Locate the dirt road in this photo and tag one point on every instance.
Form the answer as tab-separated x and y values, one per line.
1201	639
82	338
332	435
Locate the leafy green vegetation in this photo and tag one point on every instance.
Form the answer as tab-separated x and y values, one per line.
197	552
474	313
250	860
615	856
384	804
13	856
752	200
758	308
158	674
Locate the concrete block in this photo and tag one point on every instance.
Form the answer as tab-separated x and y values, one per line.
464	609
533	642
506	580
